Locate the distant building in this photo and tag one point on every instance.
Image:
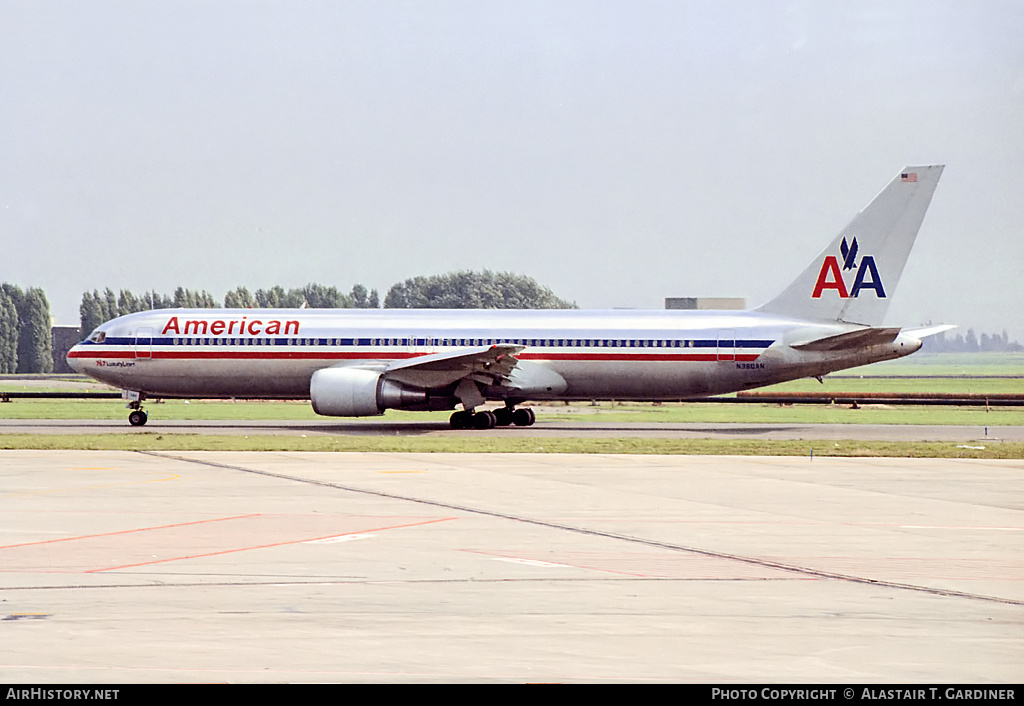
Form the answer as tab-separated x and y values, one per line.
703	303
64	337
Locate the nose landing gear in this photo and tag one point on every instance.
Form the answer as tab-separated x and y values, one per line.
137	417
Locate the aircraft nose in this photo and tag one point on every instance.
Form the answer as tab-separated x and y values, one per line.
72	359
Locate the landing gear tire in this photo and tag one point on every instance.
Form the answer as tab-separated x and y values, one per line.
503	416
524	417
137	418
484	420
460	420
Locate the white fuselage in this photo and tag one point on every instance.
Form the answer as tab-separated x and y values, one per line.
629	355
356	362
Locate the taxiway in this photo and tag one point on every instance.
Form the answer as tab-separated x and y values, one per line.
271	567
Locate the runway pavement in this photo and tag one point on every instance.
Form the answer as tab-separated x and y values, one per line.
268	567
381	427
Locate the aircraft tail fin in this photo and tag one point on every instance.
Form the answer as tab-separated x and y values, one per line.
852	279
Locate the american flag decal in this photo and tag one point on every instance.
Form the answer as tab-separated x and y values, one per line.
908	176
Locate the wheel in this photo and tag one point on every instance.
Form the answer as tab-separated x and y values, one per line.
523	417
503	416
483	420
460	420
137	418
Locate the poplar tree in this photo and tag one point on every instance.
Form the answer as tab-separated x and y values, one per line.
361	299
318	296
8	334
190	299
239	298
90	313
35	342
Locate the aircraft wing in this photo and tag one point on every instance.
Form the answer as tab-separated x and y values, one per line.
485	364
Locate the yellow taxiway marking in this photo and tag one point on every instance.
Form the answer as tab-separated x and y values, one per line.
173	476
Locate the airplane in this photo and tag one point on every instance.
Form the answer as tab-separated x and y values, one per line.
361	362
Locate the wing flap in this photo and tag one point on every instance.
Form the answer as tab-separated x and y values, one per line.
484	364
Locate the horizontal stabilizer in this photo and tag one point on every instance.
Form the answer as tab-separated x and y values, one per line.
926	331
861	338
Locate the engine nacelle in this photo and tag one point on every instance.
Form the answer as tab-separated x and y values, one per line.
353	392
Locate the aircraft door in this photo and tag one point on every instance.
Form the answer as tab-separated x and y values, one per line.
144	343
727	344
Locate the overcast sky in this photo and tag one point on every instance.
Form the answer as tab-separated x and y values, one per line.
618	152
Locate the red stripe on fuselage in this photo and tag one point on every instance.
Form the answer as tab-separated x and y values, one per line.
397	355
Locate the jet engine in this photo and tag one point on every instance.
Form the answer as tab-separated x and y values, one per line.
354	392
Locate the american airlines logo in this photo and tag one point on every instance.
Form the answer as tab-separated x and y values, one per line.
237	327
830	276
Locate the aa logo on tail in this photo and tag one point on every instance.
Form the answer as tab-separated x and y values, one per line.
831	276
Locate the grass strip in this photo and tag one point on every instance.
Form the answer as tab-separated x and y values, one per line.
670	412
146	441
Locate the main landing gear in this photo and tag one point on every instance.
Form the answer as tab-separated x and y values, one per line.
488	419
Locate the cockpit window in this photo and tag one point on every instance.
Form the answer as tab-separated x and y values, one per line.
98	336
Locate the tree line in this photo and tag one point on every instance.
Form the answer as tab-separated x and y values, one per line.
971	343
473	290
98	308
26	345
455	290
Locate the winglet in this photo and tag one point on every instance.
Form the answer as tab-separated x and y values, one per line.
853	278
